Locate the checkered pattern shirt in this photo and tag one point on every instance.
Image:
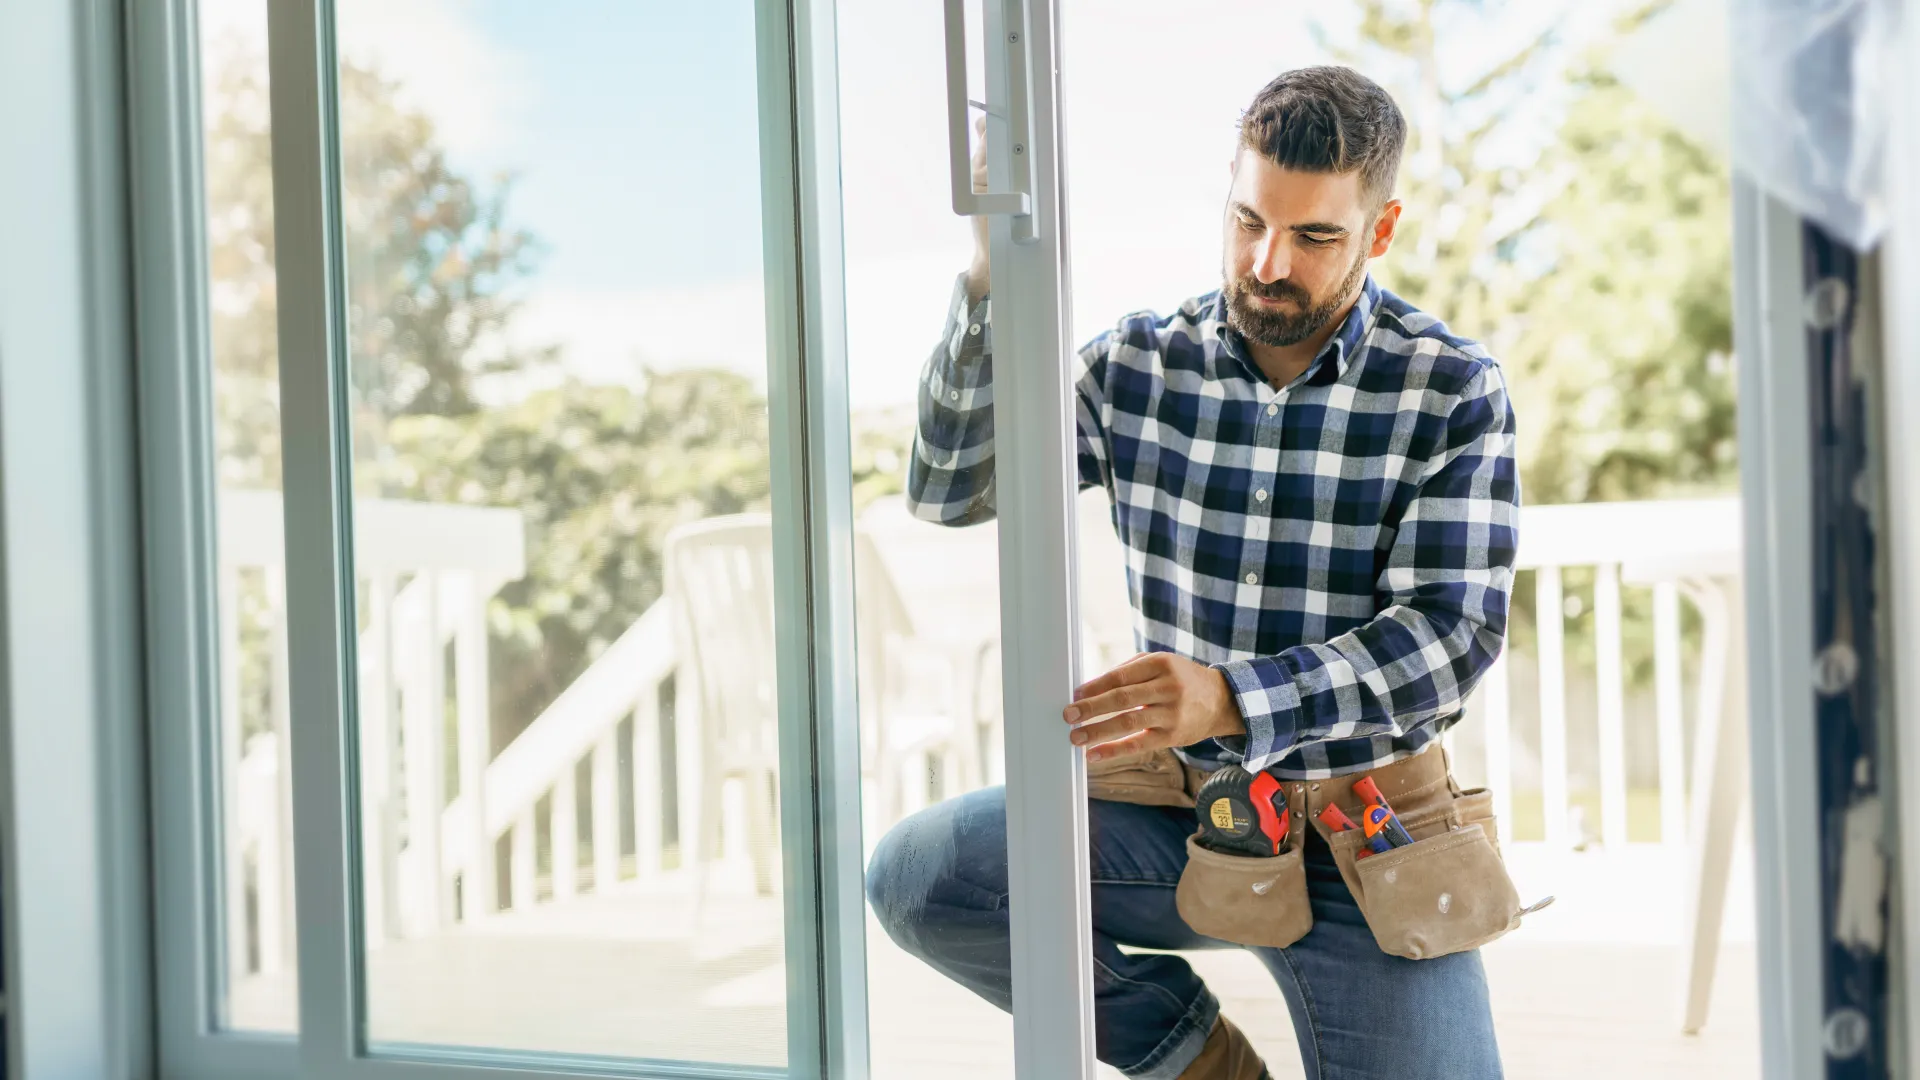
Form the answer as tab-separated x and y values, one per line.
1341	549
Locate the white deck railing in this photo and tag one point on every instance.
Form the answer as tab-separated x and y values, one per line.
436	566
1675	549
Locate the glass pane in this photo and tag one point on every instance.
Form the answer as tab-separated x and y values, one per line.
927	593
256	966
561	492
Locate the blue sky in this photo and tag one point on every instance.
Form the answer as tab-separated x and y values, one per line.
633	134
635	138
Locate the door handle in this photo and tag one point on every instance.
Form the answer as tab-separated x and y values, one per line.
1017	203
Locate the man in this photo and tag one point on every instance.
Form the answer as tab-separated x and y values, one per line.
1316	487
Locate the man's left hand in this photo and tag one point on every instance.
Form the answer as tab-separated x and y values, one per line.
1157	700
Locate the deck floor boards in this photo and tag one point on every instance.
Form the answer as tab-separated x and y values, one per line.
629	974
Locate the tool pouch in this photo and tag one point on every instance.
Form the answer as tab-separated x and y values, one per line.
1445	893
1246	899
1157	778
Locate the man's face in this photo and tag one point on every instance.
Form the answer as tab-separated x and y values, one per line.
1297	245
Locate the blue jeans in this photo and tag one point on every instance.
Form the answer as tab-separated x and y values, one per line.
938	883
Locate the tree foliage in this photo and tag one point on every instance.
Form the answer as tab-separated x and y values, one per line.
600	475
442	409
432	267
1592	255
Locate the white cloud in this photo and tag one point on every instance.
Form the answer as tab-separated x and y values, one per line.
474	90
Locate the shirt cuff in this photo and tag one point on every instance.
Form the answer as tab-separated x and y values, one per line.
1269	702
969	322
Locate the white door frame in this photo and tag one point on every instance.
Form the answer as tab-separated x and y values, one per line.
1036	478
63	59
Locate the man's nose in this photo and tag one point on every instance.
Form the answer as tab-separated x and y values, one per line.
1270	258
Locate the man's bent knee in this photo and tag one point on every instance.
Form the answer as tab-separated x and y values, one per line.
930	865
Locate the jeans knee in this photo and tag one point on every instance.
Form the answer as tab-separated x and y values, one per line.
937	869
896	883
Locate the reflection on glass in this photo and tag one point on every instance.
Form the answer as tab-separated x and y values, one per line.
567	717
256	965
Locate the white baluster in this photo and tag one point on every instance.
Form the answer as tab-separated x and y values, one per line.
520	861
1496	695
690	775
422	717
276	867
433	853
377	839
1550	608
606	811
479	882
240	942
1669	694
564	824
648	783
1610	677
394	772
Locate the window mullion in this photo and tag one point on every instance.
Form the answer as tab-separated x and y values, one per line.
318	519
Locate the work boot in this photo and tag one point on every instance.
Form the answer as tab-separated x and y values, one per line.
1227	1056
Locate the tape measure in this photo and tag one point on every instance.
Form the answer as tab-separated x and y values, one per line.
1242	813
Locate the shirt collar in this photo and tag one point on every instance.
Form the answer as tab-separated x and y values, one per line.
1345	342
1334	358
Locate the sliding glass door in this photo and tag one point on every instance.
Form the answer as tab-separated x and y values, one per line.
974	817
521	588
516	542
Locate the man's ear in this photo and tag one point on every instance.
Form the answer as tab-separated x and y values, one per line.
1384	227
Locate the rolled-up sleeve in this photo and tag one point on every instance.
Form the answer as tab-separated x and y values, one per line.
950	477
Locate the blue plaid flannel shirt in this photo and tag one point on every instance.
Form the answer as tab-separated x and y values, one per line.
1341	549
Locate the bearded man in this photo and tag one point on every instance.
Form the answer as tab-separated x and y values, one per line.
1315	485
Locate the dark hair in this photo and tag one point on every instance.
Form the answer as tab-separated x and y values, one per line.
1329	119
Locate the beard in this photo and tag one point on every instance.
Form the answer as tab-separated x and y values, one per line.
1267	326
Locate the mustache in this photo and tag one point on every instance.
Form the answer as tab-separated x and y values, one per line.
1274	290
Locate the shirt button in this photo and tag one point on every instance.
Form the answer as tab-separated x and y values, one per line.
1273	410
1253	579
953	395
1260	496
974	329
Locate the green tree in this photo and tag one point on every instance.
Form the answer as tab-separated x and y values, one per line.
1591	253
432	267
600	475
1598	273
1624	355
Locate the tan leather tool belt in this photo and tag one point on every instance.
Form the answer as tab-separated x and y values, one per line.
1447	892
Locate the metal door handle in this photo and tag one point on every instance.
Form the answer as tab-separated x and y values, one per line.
967	202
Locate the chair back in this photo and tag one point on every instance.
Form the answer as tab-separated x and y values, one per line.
719	577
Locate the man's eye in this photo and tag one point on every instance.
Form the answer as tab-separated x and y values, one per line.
1318	241
1249	223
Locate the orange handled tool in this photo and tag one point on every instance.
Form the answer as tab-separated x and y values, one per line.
1380	818
1337	820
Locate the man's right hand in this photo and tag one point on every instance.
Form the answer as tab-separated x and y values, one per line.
979	274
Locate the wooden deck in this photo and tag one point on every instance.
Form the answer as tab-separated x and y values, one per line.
636	974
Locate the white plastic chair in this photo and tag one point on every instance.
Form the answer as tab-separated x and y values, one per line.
719	577
911	698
